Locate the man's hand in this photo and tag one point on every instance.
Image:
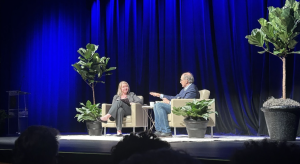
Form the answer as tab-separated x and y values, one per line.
165	100
155	94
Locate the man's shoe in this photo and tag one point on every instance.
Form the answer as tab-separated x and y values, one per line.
165	135
157	133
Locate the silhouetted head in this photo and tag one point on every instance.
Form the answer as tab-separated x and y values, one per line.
161	156
36	145
136	143
262	152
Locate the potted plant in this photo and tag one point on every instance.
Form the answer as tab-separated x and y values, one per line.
89	113
90	66
196	115
281	31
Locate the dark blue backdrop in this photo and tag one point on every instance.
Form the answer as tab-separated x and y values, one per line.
151	42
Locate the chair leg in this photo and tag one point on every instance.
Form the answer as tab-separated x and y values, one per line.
174	131
104	131
211	132
133	129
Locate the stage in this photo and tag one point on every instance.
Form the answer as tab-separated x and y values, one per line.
91	149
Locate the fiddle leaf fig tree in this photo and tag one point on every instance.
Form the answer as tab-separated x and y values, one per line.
91	67
281	30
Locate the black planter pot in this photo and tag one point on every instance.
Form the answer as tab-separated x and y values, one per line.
196	128
94	128
282	123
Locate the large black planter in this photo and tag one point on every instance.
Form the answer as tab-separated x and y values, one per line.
282	123
94	128
196	128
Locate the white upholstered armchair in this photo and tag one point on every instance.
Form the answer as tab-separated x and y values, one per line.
177	121
138	117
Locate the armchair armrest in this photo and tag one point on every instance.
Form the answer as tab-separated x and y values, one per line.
136	112
179	102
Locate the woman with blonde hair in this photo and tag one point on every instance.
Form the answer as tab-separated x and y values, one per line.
121	106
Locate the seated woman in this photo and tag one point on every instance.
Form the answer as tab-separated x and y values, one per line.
121	106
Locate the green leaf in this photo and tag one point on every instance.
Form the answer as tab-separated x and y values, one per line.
287	21
256	38
107	59
261	52
79	110
289	3
88	54
296	52
276	52
81	51
91	47
292	44
99	72
100	82
76	66
267	45
296	27
263	22
110	69
88	104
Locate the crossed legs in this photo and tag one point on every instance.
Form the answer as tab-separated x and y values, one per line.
117	112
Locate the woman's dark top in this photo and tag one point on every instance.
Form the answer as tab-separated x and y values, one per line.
126	101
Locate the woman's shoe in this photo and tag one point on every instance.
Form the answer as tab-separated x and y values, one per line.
99	119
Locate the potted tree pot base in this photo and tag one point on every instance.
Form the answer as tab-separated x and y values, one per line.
282	123
195	128
94	128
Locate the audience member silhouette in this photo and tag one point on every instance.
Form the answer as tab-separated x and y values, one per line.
36	145
267	151
136	143
161	156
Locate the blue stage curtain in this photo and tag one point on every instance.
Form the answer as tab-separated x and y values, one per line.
42	39
152	42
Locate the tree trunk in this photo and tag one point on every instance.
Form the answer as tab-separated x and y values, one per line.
93	93
283	78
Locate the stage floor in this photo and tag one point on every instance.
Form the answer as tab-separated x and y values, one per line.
220	147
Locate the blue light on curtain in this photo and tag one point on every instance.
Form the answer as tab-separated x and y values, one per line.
54	33
152	42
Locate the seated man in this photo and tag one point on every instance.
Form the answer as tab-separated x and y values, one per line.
161	110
